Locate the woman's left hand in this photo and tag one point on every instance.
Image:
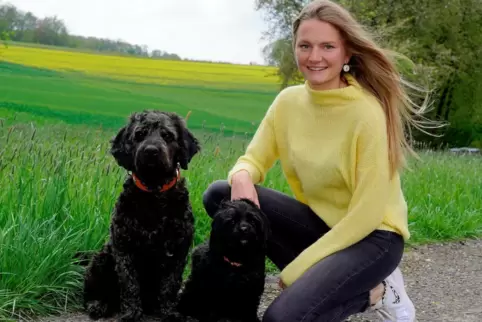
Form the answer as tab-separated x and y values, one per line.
281	284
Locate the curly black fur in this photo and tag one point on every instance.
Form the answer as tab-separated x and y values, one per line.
139	270
228	270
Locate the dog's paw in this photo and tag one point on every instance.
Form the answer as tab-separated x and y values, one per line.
174	316
131	316
225	319
97	310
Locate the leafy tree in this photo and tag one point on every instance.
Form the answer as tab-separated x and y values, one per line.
26	27
279	15
5	36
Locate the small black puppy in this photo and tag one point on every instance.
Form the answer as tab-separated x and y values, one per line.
139	270
228	270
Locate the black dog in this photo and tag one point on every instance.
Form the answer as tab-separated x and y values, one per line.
139	270
228	270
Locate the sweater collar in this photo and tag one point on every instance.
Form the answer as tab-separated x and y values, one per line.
337	96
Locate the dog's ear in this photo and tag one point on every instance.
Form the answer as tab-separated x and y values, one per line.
188	143
263	220
121	149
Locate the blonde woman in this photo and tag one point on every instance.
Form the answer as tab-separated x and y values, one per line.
340	139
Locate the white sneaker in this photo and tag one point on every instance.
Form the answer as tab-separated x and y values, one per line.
395	305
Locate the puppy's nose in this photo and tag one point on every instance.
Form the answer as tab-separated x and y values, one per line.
243	227
151	150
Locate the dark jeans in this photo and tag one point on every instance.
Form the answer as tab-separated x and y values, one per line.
336	287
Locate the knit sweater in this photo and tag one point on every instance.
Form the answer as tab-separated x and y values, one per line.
333	150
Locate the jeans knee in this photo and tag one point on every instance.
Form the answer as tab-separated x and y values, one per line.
273	313
212	196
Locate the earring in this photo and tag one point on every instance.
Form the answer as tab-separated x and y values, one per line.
346	68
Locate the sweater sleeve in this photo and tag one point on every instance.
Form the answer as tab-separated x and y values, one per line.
261	152
367	207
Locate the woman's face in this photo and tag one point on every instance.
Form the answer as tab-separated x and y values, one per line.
320	54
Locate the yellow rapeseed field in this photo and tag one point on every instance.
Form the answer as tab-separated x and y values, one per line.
142	69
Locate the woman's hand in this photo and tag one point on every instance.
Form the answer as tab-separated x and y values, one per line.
281	284
242	187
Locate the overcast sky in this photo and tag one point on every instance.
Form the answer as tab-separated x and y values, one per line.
222	30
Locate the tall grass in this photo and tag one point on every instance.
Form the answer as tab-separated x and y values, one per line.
59	185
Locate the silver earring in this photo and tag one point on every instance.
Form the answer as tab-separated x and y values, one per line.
346	68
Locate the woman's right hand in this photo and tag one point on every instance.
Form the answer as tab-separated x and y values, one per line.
242	187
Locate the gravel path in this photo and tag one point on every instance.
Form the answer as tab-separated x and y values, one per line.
443	280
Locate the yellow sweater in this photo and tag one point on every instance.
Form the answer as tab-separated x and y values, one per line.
333	149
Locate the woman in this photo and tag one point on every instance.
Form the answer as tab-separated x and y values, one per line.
340	140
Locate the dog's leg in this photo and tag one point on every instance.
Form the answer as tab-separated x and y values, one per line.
171	283
196	298
187	303
250	319
192	300
101	291
130	301
250	312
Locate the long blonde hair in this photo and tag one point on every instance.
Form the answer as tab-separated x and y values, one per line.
372	68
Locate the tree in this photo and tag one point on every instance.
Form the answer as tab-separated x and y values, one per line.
26	27
279	15
4	38
279	53
51	31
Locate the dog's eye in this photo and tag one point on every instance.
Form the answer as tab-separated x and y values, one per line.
140	134
168	136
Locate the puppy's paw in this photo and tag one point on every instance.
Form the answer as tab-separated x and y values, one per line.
97	310
174	316
133	315
251	319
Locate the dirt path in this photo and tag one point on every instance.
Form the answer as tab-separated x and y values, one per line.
443	280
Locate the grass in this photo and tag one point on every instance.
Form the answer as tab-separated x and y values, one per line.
62	185
59	183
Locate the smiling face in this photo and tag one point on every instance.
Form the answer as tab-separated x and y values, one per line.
320	54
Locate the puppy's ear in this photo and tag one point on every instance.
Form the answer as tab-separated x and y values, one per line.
121	149
219	219
188	143
264	222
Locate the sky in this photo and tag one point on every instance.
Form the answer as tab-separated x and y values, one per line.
219	30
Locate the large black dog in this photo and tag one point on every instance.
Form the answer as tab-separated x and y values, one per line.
228	270
139	270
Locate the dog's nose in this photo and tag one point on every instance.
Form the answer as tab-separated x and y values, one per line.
243	227
151	150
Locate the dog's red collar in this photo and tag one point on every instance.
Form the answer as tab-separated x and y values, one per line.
164	187
232	263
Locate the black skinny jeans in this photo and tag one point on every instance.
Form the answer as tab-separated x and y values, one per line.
336	287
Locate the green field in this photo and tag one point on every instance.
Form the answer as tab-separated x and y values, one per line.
58	183
83	99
